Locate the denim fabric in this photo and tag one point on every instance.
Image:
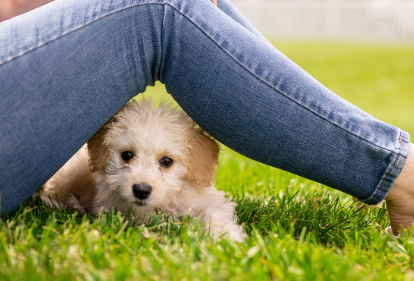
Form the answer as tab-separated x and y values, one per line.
68	66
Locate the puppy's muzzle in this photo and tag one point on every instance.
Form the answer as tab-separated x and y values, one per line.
141	190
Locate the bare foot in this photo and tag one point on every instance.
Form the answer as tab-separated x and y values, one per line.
400	199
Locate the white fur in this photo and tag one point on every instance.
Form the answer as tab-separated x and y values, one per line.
185	188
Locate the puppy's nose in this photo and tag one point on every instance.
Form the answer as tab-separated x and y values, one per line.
141	190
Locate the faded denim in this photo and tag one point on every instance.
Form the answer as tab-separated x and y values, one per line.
66	67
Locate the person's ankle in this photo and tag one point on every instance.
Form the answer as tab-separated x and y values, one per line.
400	199
404	184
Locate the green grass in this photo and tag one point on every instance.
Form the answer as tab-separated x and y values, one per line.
298	229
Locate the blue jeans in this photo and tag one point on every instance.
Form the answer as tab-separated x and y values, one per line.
66	67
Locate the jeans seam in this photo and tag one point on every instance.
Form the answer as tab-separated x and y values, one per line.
389	172
162	59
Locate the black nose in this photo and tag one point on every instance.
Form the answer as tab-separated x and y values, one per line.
141	190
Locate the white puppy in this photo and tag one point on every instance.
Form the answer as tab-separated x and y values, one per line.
142	159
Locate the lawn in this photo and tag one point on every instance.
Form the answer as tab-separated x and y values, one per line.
298	229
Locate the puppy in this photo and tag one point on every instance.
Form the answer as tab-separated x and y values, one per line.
143	159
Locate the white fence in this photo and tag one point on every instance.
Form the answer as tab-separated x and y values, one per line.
370	20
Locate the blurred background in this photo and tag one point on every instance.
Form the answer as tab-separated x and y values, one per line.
356	20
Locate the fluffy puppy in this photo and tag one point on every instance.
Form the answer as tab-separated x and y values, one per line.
143	159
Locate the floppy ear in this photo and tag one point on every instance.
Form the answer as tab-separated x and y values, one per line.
98	146
98	150
203	159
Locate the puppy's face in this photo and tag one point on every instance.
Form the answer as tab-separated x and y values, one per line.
146	156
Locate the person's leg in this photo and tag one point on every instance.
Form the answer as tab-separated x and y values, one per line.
401	197
229	9
68	66
33	106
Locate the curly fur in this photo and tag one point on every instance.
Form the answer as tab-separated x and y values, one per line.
184	188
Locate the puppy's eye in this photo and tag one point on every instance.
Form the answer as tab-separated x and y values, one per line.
127	155
166	162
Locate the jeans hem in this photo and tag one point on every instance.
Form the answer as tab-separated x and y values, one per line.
393	171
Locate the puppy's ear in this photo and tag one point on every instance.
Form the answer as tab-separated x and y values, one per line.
98	144
98	150
203	159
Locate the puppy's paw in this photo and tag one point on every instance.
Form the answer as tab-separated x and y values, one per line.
239	235
74	203
227	228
